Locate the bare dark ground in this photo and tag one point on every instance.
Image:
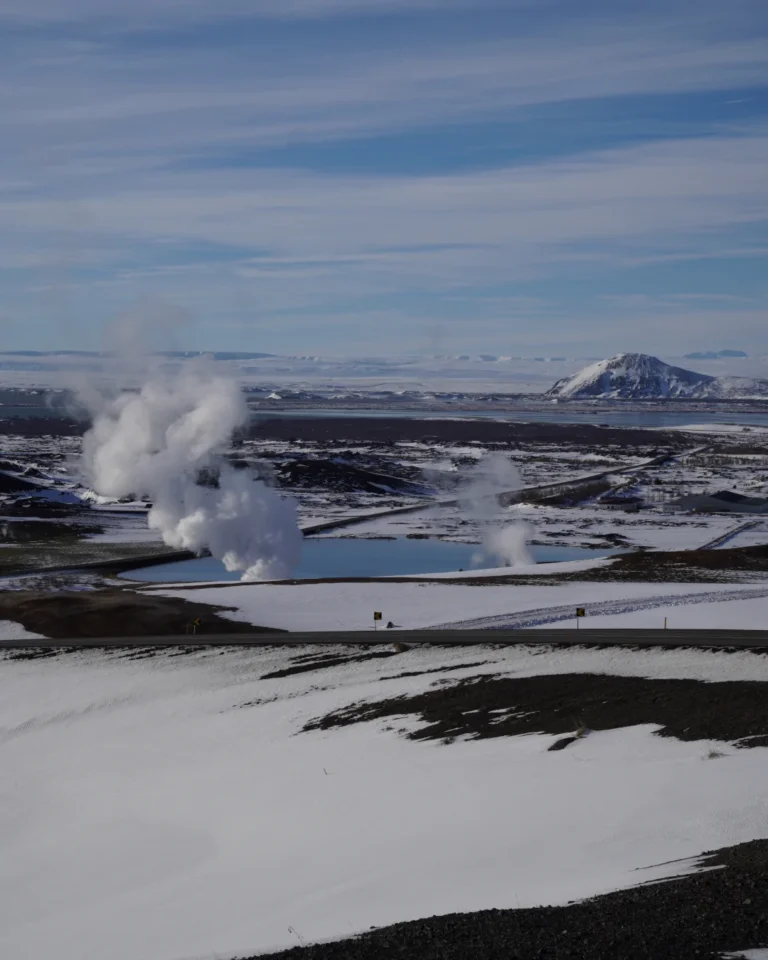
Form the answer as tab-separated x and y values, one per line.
493	706
682	565
382	430
308	665
700	916
113	613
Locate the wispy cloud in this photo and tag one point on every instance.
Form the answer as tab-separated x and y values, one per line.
222	97
661	190
33	12
148	148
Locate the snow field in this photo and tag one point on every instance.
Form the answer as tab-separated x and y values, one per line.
147	812
350	606
14	631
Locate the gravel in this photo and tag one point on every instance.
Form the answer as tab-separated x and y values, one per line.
493	706
703	916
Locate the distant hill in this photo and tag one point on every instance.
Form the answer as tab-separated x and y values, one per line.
637	376
716	355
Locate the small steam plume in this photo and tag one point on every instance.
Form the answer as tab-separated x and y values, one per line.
491	476
167	441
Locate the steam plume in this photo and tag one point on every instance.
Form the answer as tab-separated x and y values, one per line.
167	442
491	476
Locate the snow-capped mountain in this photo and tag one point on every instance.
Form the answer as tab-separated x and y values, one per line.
637	376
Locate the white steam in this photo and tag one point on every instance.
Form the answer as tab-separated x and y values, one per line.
167	442
493	475
509	544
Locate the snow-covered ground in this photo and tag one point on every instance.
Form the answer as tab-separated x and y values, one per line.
342	375
725	461
749	614
350	606
171	807
755	535
14	631
588	525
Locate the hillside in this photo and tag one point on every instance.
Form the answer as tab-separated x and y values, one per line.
637	376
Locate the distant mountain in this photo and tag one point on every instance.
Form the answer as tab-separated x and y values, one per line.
637	376
716	355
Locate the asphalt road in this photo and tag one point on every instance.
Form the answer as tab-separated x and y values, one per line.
714	639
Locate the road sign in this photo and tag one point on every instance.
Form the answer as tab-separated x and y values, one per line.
377	615
581	612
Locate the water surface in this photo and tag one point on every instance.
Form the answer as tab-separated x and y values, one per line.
357	557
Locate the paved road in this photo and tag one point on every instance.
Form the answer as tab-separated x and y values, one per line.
718	639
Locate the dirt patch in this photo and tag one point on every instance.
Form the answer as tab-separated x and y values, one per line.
42	427
703	915
113	613
44	531
322	663
682	565
341	475
566	704
383	430
421	673
37	653
10	483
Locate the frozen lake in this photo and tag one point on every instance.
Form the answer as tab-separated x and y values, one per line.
349	557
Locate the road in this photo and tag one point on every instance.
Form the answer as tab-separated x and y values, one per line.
541	616
709	639
726	537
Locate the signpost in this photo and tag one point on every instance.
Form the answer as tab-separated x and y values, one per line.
376	618
580	612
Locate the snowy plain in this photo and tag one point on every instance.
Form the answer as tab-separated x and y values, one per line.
14	631
750	614
350	606
507	374
171	808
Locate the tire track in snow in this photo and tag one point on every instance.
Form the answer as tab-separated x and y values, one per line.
525	619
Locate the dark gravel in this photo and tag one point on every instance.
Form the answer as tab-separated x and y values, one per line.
321	663
113	613
685	566
381	430
700	916
492	706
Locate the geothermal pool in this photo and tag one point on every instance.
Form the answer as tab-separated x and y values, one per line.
351	557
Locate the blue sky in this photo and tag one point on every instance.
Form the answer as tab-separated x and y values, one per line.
386	176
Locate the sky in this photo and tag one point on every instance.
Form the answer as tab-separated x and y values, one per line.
370	177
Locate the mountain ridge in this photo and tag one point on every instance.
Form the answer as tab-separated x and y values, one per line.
639	376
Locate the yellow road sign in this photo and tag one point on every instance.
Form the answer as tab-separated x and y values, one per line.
581	612
377	615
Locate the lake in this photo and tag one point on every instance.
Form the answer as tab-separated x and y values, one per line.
352	557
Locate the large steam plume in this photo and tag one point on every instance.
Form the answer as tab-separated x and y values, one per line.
491	476
167	442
